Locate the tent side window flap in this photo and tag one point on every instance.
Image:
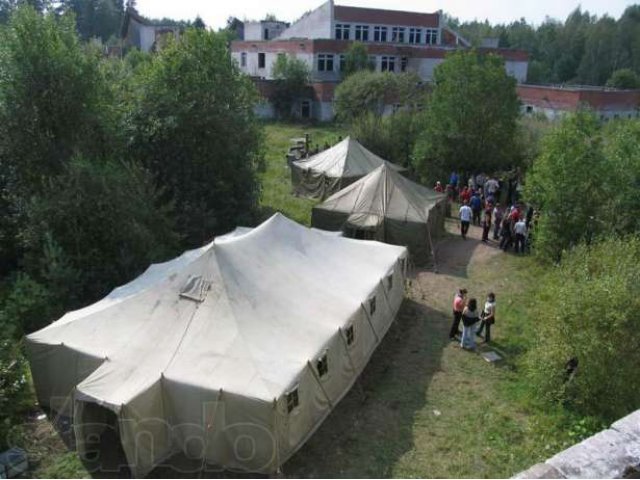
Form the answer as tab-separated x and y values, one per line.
195	288
292	399
322	365
390	281
372	305
350	334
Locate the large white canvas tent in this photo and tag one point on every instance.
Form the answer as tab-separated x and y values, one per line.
334	169
233	353
388	207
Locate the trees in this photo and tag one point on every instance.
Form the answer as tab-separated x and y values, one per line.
624	78
193	126
587	309
292	79
356	58
566	183
50	107
470	120
366	91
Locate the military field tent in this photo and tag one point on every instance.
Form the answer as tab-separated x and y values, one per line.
333	169
233	353
388	207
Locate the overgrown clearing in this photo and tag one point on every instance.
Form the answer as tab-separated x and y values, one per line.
423	407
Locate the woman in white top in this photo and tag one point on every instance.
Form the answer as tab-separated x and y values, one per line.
488	317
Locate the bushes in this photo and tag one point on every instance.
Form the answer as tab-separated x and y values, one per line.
585	181
588	309
85	248
193	126
392	137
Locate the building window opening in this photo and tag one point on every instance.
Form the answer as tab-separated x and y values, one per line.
388	64
415	35
529	108
404	61
379	34
431	36
325	62
261	60
362	33
397	34
243	59
342	31
305	109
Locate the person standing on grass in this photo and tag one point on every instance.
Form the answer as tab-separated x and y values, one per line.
465	219
497	219
469	319
488	317
505	233
476	207
486	223
520	229
458	307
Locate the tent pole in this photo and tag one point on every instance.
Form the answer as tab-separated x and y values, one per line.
320	384
275	430
366	314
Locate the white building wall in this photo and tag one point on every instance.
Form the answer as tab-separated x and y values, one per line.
424	67
517	69
316	24
252	30
147	37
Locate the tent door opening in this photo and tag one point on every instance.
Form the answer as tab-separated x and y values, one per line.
98	439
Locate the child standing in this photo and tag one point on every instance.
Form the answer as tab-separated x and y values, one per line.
488	317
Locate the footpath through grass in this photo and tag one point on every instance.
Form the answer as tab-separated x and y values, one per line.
422	408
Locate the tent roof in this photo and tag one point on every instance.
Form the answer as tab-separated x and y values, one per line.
243	313
347	158
384	193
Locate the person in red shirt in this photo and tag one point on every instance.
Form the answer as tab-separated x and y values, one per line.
465	195
458	307
438	188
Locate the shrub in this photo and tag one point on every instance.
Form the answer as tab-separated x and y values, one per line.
587	308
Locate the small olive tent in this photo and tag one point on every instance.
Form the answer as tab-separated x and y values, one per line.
388	207
233	353
333	169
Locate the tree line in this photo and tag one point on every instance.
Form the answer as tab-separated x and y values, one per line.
584	49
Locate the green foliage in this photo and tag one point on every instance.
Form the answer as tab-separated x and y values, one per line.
193	126
624	78
583	49
96	226
95	18
585	181
587	309
291	76
356	58
367	91
470	121
49	98
391	137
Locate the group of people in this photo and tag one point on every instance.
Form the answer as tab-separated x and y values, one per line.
480	206
474	321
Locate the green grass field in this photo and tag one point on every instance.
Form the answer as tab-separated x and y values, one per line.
276	179
422	408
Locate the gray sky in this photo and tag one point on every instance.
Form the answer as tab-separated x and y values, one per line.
215	12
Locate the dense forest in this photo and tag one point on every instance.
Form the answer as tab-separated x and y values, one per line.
584	49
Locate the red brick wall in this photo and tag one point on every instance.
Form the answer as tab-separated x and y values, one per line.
570	98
